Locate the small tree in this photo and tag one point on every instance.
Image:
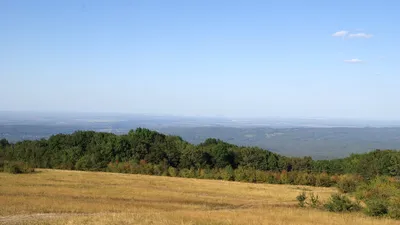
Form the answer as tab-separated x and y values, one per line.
341	203
394	208
323	180
301	198
376	207
348	183
172	171
228	173
314	200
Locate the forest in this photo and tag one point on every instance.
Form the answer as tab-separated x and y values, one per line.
97	151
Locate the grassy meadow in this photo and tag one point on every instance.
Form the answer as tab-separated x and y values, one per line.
75	197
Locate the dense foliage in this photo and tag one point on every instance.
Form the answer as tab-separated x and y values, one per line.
89	150
341	203
16	167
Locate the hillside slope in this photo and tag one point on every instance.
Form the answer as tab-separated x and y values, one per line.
73	197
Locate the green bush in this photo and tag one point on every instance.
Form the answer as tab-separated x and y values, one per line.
394	208
17	168
173	172
1	165
284	178
240	174
323	180
301	198
300	178
348	183
84	163
261	176
311	179
216	174
187	173
378	188
341	203
376	207
314	201
271	178
228	173
207	174
157	170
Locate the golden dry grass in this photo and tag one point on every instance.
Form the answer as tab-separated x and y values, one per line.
72	197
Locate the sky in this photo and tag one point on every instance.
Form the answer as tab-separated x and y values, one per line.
329	59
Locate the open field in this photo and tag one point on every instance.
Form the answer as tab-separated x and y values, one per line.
73	197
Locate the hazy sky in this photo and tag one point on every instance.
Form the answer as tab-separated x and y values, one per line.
234	58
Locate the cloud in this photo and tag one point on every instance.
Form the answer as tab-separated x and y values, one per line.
341	33
360	35
353	61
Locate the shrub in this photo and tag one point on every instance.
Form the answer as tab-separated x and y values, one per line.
204	173
157	170
240	174
17	167
341	203
84	163
207	173
261	176
284	178
184	172
145	168
300	178
117	167
311	179
348	183
173	172
323	180
1	165
228	173
250	175
394	208
314	200
187	173
291	176
272	178
376	207
378	188
216	174
381	196
301	198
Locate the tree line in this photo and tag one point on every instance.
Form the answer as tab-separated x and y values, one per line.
100	151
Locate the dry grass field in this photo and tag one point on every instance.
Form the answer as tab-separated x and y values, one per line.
72	197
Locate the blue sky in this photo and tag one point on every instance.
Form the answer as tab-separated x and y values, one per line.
333	59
